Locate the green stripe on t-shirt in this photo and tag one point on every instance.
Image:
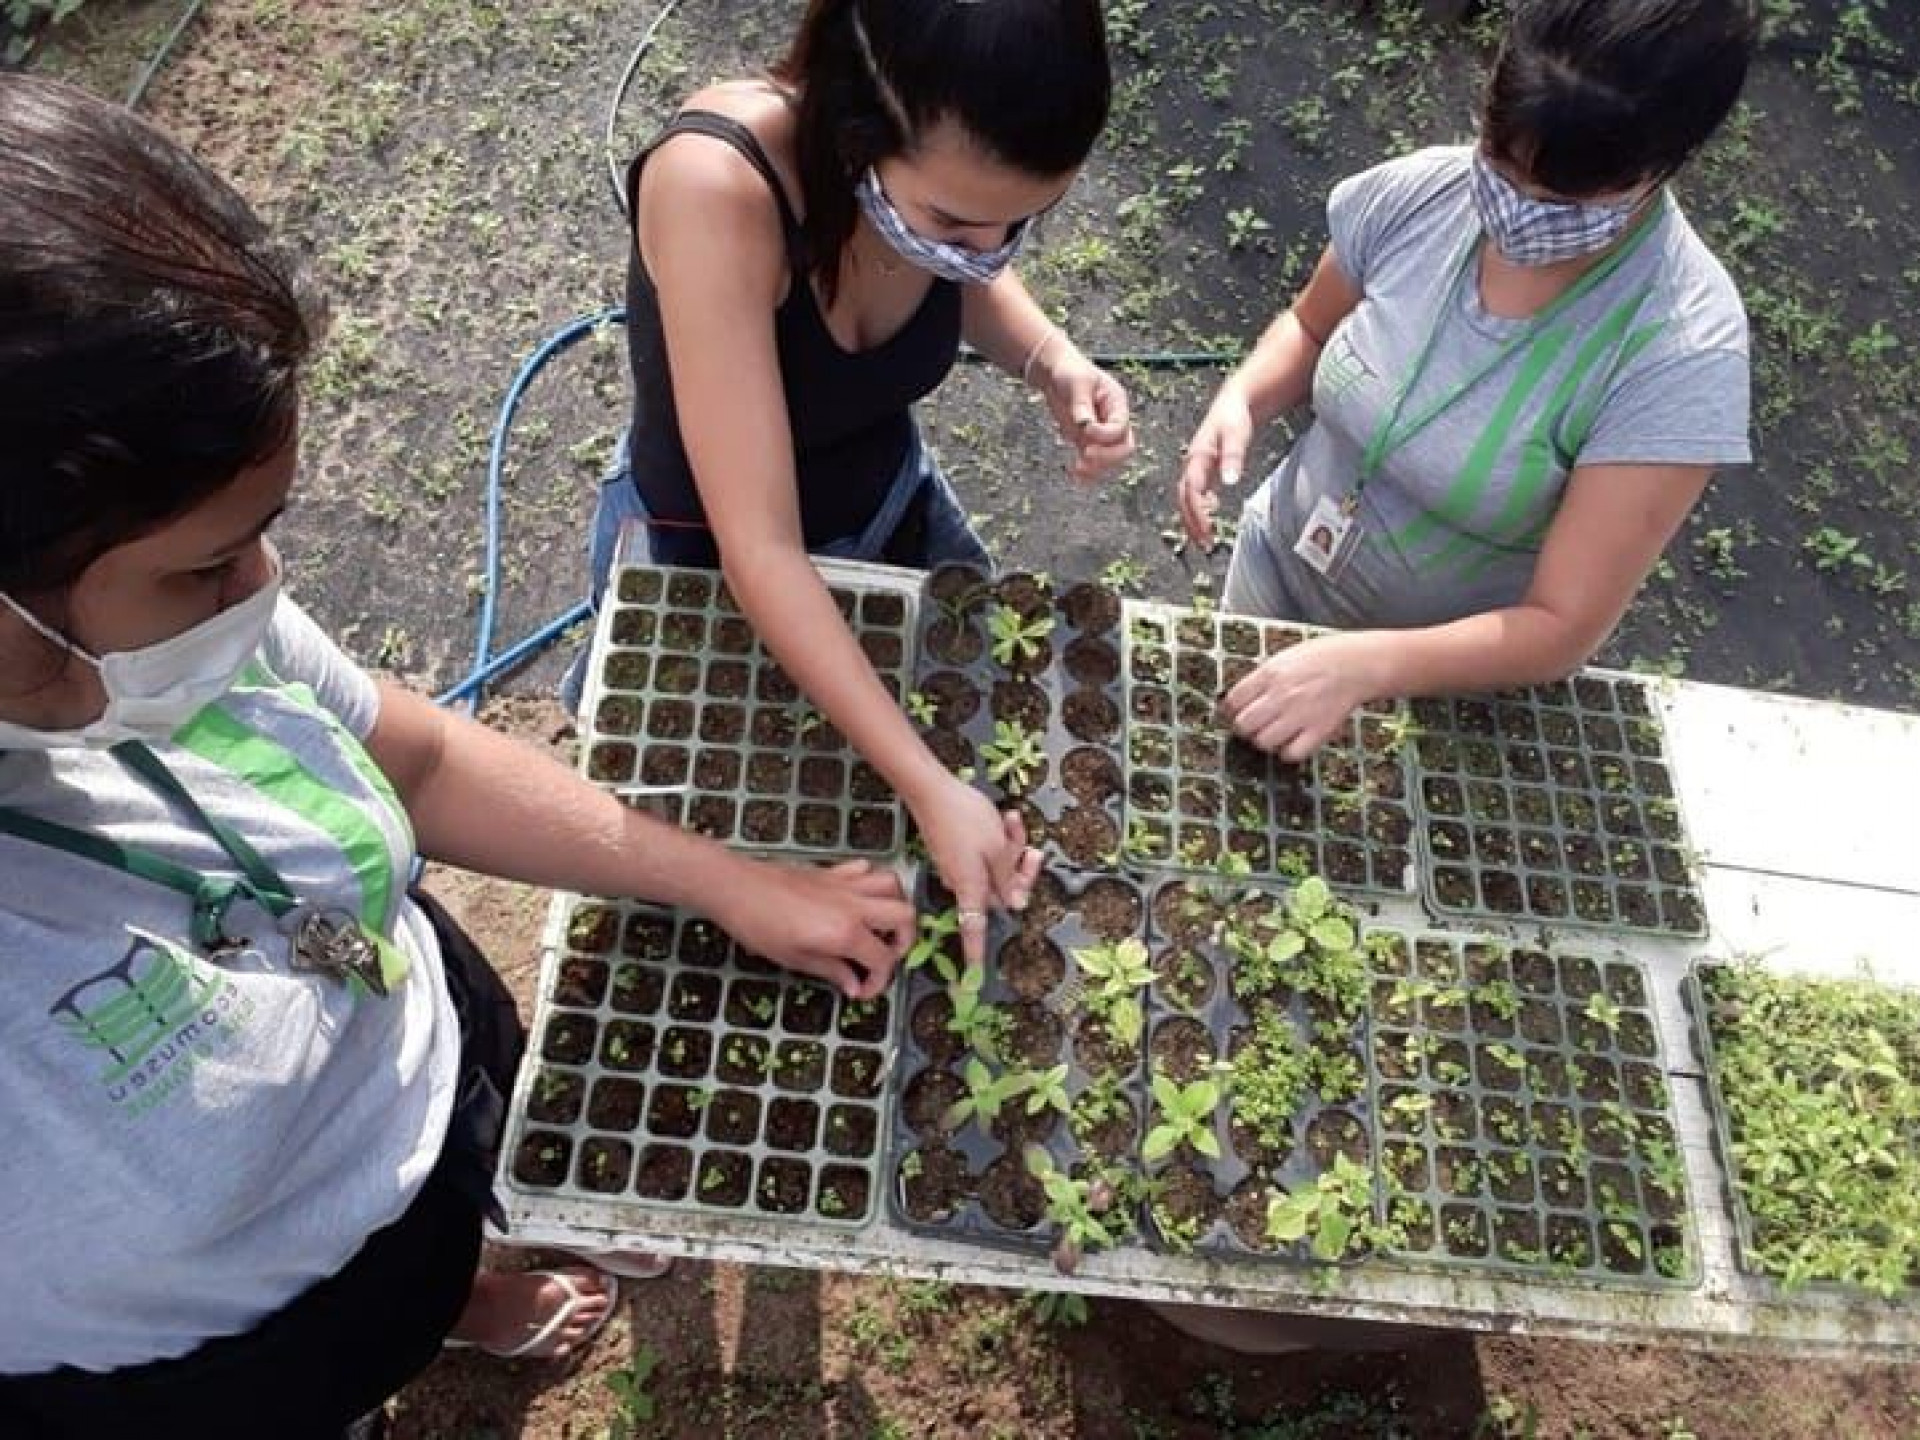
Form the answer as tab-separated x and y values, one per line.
1475	478
278	773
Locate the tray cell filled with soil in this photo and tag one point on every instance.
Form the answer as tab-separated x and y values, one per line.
1522	1111
1018	688
1024	1072
1257	1078
688	716
676	1071
1554	805
1200	799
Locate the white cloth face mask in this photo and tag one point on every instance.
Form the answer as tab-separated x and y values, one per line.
153	690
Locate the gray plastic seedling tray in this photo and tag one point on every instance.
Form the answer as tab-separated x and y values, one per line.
1196	794
1242	1180
660	1017
1703	1025
1554	805
929	1056
1075	680
688	716
1499	1160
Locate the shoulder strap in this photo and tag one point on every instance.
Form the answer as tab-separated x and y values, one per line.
731	132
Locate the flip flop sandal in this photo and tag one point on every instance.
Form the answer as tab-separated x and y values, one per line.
541	1343
628	1264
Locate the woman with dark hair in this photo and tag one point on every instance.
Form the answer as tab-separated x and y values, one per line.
251	1085
809	249
1524	368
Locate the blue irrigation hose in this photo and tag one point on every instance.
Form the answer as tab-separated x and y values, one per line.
486	666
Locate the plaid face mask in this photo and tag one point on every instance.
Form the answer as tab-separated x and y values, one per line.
938	257
1527	231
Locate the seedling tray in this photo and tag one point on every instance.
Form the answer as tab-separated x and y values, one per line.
971	1181
1554	805
1810	1041
670	1071
1521	1112
1197	796
1061	688
688	716
1202	1016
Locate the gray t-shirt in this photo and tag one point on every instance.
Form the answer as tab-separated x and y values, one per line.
189	1145
1648	367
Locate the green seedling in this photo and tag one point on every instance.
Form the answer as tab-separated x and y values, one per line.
1603	1012
986	1095
930	946
1333	1214
1014	637
1119	970
921	709
1083	1208
1014	755
1047	1090
982	1025
629	1387
1185	1118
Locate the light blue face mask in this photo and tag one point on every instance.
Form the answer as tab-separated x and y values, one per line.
958	263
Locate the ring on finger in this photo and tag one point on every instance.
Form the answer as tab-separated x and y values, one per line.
973	917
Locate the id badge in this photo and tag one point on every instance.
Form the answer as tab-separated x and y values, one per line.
1327	537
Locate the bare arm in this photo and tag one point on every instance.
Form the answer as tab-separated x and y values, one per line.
1088	405
485	802
1273	379
719	281
1610	529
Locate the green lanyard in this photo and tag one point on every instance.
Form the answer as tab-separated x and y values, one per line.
327	941
1392	435
211	896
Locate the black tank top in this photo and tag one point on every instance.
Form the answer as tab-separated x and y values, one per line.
848	411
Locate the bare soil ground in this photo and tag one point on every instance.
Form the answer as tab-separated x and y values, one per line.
441	160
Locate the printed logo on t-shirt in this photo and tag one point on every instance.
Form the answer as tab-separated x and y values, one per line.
1341	368
151	1016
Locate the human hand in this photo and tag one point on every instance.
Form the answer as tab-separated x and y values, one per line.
848	925
1217	454
1296	701
1091	410
981	854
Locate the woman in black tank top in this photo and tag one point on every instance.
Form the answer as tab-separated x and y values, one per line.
809	251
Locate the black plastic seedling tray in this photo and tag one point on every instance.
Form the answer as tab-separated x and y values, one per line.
1060	689
1521	1112
1201	1018
1716	1011
972	1181
688	716
1198	797
669	1070
1554	805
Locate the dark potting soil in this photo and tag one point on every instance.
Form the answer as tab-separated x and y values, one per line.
1091	715
1088	836
1010	1195
1110	909
933	1182
1181	1049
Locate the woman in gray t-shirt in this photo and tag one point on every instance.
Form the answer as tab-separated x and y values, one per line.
1524	367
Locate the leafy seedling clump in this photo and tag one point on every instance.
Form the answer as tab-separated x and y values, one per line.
1816	1087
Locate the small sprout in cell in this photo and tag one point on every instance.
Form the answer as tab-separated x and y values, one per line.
1119	970
1014	755
921	708
1047	1090
1185	1117
1603	1012
986	1094
1334	1214
1015	637
930	944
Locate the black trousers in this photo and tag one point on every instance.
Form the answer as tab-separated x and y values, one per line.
310	1370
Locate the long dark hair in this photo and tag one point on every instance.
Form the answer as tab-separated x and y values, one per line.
151	333
1589	97
1026	80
